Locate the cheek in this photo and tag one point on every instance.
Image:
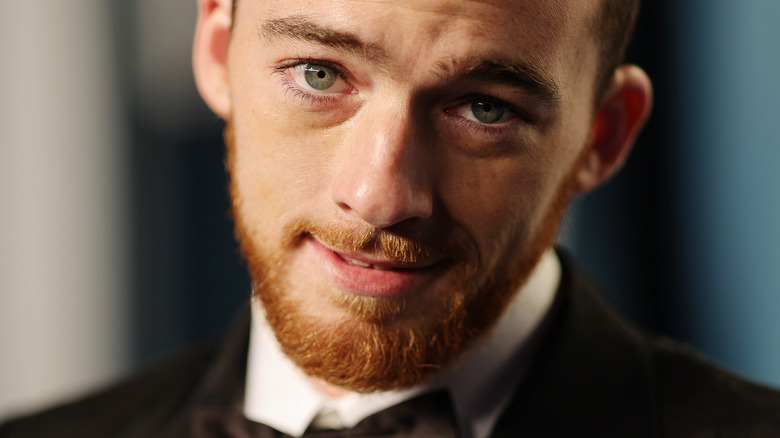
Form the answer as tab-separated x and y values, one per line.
497	203
276	170
278	154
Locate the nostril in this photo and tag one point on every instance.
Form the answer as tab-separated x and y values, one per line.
383	182
382	206
343	206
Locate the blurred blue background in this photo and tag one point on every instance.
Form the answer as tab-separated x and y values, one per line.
116	248
686	239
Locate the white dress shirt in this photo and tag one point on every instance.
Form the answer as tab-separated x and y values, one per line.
481	383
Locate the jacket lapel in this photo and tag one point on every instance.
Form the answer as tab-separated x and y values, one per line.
222	388
593	375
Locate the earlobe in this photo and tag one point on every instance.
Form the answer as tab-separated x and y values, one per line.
617	122
209	54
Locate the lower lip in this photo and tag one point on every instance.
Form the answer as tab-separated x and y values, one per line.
367	281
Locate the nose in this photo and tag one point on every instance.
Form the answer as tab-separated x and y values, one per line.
384	176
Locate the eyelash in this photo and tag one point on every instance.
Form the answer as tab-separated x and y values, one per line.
477	128
519	117
306	97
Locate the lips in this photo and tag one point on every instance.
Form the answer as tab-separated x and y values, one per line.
370	275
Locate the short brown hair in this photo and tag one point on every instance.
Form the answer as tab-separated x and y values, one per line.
613	26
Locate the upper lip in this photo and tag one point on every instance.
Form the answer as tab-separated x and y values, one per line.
377	261
382	263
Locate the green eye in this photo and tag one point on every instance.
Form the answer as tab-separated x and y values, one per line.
487	112
319	77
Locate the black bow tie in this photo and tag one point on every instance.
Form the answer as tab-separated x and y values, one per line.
427	416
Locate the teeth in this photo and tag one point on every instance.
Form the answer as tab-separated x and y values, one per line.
359	263
368	265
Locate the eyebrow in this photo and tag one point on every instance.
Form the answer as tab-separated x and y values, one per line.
297	27
516	74
520	75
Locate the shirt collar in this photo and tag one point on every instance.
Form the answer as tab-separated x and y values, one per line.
481	384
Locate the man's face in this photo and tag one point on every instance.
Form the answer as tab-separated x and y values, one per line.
397	168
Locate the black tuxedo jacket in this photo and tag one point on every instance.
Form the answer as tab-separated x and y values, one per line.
595	375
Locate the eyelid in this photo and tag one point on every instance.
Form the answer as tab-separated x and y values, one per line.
468	106
290	63
312	100
516	114
286	68
491	132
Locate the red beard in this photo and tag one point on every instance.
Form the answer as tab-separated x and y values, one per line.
379	346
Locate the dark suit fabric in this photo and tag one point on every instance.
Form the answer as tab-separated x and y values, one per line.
595	375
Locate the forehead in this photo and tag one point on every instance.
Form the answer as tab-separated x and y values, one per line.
553	35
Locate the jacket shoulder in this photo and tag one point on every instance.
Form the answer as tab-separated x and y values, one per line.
136	406
700	399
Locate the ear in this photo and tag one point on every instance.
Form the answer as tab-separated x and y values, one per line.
619	118
209	54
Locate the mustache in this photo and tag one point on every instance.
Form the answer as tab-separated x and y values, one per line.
386	243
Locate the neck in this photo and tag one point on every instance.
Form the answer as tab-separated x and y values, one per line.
332	391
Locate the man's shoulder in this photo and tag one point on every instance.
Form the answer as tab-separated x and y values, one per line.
597	374
697	395
136	406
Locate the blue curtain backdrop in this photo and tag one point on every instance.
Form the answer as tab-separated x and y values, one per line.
685	239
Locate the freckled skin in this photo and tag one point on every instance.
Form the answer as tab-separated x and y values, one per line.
394	146
301	159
